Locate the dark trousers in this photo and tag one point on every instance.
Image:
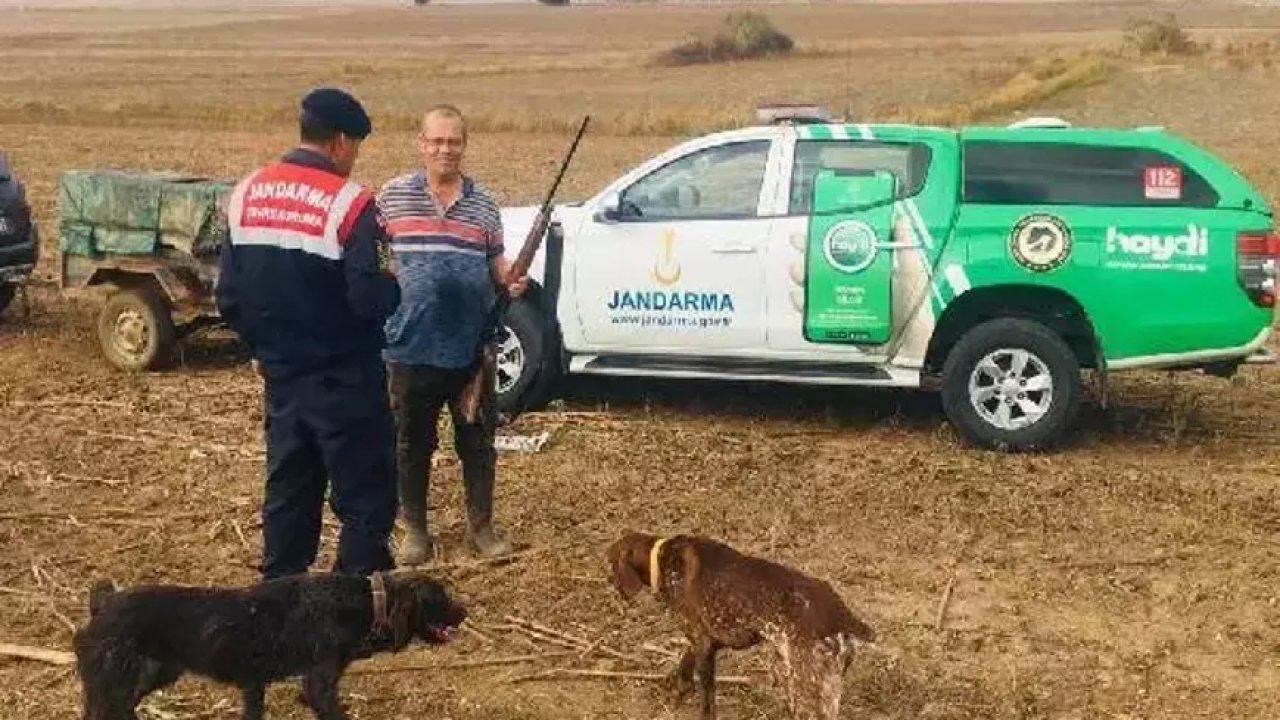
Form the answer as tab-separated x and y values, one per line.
329	428
418	394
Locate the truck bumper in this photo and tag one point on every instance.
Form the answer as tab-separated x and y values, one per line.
1263	356
17	260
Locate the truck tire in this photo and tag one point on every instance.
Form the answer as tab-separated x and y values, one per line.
136	330
1011	384
7	291
521	359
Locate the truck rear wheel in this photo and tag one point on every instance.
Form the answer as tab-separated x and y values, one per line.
1011	384
136	330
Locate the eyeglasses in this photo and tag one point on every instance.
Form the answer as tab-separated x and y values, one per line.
443	142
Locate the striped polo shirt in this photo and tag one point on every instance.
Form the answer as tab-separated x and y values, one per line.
446	288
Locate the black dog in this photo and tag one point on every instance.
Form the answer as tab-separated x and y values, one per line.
141	640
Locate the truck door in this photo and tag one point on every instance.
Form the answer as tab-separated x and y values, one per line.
899	309
676	261
849	264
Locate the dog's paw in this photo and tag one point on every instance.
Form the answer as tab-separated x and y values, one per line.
677	686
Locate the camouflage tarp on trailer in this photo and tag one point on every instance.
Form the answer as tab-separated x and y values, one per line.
132	213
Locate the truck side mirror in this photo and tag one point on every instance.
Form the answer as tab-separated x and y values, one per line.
609	211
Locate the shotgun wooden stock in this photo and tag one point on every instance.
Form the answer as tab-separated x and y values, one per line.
486	355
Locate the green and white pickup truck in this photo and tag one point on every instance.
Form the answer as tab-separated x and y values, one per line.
990	263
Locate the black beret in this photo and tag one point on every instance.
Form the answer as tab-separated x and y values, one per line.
339	111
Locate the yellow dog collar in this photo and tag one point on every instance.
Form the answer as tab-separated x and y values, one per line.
655	573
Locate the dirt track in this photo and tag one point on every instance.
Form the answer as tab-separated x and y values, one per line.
1134	573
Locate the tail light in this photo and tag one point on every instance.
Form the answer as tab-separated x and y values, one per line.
1258	265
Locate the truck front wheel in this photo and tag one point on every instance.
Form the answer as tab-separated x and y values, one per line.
523	359
1011	384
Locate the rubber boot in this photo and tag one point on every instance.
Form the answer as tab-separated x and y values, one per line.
483	538
418	547
486	541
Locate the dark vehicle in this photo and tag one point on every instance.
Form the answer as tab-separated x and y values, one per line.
19	238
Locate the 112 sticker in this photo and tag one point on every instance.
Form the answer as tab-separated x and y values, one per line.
1162	183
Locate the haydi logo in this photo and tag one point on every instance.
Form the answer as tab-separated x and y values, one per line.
1160	248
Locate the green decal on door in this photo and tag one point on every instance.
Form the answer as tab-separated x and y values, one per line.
849	272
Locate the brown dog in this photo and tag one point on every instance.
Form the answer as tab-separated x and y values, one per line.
726	599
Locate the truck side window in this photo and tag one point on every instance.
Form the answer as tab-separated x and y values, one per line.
908	162
1009	173
721	182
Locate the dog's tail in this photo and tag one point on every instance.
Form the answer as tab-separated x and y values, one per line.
101	591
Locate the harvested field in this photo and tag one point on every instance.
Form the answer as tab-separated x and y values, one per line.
1133	574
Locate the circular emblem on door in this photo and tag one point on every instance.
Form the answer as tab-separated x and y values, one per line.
1040	242
850	246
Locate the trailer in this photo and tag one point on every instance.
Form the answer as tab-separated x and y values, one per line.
151	241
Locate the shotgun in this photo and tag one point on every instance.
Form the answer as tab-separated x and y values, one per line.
473	391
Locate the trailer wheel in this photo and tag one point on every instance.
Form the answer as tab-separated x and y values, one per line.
136	330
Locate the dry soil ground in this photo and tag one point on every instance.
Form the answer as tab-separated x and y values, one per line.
1131	575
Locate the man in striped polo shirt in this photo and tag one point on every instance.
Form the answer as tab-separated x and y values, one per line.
446	234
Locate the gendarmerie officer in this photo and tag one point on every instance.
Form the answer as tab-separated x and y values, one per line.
307	283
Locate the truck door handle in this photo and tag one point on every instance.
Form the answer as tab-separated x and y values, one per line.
733	248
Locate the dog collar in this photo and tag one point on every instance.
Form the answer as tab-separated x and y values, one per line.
655	572
378	591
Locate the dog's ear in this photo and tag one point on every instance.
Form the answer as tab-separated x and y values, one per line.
624	572
99	593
